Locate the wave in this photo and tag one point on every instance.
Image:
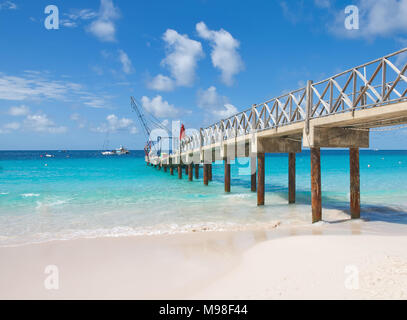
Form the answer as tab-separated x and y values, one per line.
51	203
116	232
28	195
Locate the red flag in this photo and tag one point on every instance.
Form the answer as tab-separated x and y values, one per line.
182	132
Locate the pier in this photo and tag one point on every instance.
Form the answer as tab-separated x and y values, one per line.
338	112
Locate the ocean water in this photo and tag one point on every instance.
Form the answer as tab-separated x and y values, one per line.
84	194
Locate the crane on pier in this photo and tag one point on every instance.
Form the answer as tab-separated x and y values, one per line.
149	122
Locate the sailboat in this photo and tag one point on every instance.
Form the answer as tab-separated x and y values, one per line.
105	144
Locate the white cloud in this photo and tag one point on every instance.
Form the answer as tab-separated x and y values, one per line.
401	59
161	83
126	62
114	124
72	19
210	99
83	14
19	111
36	85
68	23
78	119
38	122
158	107
181	60
182	56
9	127
12	126
104	30
94	102
227	111
21	88
224	51
217	105
104	27
41	123
8	5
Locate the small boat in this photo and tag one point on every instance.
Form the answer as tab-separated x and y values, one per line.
122	150
49	155
108	153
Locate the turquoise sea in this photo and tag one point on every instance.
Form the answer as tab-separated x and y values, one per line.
84	194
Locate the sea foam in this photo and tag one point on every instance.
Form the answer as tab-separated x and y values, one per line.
28	195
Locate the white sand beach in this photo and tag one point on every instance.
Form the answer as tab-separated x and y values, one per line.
347	260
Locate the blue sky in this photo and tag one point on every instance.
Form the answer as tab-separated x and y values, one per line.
194	61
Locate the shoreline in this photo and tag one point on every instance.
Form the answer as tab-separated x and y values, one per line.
339	223
258	264
195	229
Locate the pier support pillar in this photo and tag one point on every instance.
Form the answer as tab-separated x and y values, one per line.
171	170
186	169
196	171
205	174
165	168
227	176
253	174
291	177
354	183
179	171
316	196
260	178
190	172
210	172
